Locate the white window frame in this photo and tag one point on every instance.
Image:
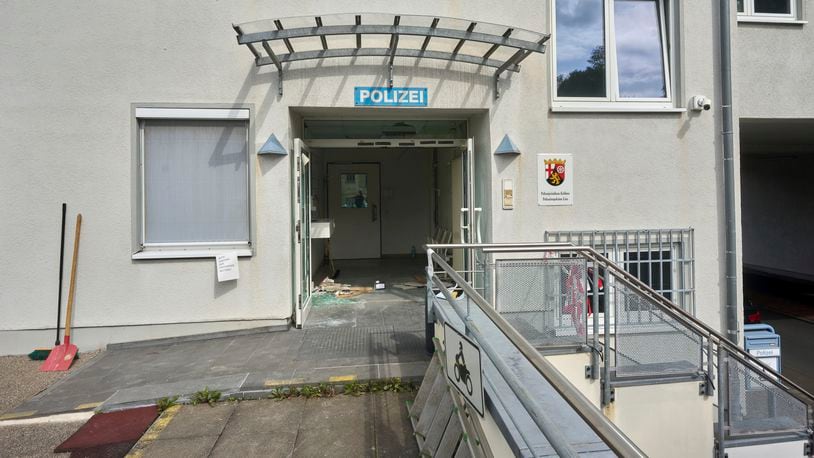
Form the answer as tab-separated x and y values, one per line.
749	15
612	101
143	250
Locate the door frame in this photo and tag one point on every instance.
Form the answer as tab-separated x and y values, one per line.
328	191
301	310
301	229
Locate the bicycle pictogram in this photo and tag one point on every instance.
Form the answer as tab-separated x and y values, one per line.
461	372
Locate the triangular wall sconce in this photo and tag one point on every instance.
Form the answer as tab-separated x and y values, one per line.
507	146
272	146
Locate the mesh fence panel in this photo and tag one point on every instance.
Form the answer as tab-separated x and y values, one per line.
649	342
544	299
482	279
758	406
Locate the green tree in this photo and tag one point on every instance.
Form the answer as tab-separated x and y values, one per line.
589	82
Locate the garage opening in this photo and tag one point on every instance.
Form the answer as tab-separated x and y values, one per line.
777	156
378	191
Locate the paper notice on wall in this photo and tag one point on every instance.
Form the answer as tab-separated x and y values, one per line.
227	266
555	179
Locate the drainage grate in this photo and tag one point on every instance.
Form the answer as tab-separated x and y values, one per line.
346	342
372	343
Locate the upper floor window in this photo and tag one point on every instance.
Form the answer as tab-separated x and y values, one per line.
767	9
611	54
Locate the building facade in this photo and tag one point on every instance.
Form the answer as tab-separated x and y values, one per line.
148	119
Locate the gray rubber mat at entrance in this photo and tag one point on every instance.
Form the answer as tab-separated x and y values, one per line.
377	342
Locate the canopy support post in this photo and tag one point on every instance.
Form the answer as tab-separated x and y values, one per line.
394	44
514	60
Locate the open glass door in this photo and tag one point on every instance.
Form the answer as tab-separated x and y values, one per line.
470	215
302	226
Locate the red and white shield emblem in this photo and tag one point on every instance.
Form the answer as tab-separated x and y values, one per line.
555	171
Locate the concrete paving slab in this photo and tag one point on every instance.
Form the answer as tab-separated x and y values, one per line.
339	426
261	428
393	431
199	421
187	447
367	425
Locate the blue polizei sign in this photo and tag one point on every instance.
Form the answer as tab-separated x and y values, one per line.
390	96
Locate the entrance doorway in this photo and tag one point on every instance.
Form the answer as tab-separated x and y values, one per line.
382	199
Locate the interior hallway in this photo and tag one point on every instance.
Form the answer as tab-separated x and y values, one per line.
400	305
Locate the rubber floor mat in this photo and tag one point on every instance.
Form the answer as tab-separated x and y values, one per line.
110	434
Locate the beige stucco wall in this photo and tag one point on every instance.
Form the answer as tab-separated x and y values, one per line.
572	366
72	70
771	66
667	420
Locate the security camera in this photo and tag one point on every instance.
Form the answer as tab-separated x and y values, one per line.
699	102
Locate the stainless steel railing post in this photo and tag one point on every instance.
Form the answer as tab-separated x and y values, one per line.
606	385
595	310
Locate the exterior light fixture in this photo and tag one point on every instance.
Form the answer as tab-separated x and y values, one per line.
272	146
507	146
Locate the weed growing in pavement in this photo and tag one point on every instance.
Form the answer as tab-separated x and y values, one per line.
309	392
206	396
165	403
354	388
279	394
395	385
327	390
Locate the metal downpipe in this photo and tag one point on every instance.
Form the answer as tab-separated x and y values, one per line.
731	305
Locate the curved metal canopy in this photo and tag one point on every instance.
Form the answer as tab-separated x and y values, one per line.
389	35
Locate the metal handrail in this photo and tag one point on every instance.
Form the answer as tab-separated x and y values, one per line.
598	422
671	308
541	418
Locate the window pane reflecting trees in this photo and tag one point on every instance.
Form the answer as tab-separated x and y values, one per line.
580	48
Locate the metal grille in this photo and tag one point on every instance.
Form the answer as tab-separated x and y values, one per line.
648	341
544	299
757	406
661	258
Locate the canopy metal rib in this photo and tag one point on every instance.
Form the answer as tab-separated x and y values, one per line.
328	30
385	52
521	47
287	42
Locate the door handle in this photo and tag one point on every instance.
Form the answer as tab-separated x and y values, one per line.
464	227
476	223
374	213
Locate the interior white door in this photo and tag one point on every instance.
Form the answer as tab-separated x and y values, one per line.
302	227
354	206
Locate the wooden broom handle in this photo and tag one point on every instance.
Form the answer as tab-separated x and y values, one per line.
69	310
